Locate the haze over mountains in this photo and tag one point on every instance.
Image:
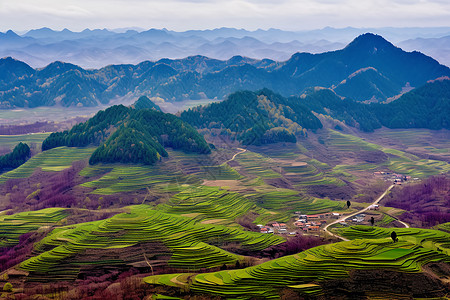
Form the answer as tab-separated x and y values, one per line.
98	48
368	69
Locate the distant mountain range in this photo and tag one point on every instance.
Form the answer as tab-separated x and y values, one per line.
98	48
369	68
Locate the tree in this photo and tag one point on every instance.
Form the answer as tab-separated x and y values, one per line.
394	236
372	220
348	203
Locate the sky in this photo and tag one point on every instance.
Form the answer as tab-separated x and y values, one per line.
181	15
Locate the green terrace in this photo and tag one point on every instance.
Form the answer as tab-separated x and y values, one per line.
427	238
117	178
308	174
13	226
303	271
217	205
189	242
288	200
256	165
53	160
12	140
398	161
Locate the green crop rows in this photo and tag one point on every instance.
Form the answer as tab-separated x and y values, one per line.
289	200
309	175
186	238
13	226
56	159
428	238
257	165
125	178
302	270
12	140
211	203
398	161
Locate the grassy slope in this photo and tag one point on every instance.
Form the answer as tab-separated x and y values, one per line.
13	226
398	161
186	238
302	271
53	160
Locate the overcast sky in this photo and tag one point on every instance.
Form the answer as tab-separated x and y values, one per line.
182	15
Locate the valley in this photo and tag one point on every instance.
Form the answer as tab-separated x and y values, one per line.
164	181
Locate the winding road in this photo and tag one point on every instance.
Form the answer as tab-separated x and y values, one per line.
343	218
234	156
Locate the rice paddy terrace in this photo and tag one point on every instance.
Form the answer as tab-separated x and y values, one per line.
397	161
179	242
304	272
193	225
427	238
13	226
10	141
53	160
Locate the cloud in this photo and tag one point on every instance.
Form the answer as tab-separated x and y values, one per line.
201	14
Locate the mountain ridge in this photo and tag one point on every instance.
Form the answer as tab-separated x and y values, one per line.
200	77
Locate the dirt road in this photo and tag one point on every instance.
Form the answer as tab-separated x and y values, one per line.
343	218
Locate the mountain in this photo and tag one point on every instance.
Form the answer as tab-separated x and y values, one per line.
101	47
425	107
438	47
367	84
144	102
369	61
130	135
265	117
254	118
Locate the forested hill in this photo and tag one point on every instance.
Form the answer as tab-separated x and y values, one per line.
266	117
425	107
128	135
369	68
254	118
144	102
17	157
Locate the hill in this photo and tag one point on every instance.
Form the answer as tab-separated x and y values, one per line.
130	135
254	118
265	117
17	157
369	60
144	102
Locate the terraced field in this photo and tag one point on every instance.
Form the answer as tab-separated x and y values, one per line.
301	272
289	200
427	238
445	227
53	160
185	238
308	174
398	161
257	165
125	178
212	203
13	226
12	140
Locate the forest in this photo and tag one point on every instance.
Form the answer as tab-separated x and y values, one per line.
17	157
128	135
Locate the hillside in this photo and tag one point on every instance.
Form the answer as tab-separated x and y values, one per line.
254	118
129	135
265	117
199	77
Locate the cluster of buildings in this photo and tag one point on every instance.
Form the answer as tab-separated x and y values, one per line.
305	223
314	222
275	227
395	178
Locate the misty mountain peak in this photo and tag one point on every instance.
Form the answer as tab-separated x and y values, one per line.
369	42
